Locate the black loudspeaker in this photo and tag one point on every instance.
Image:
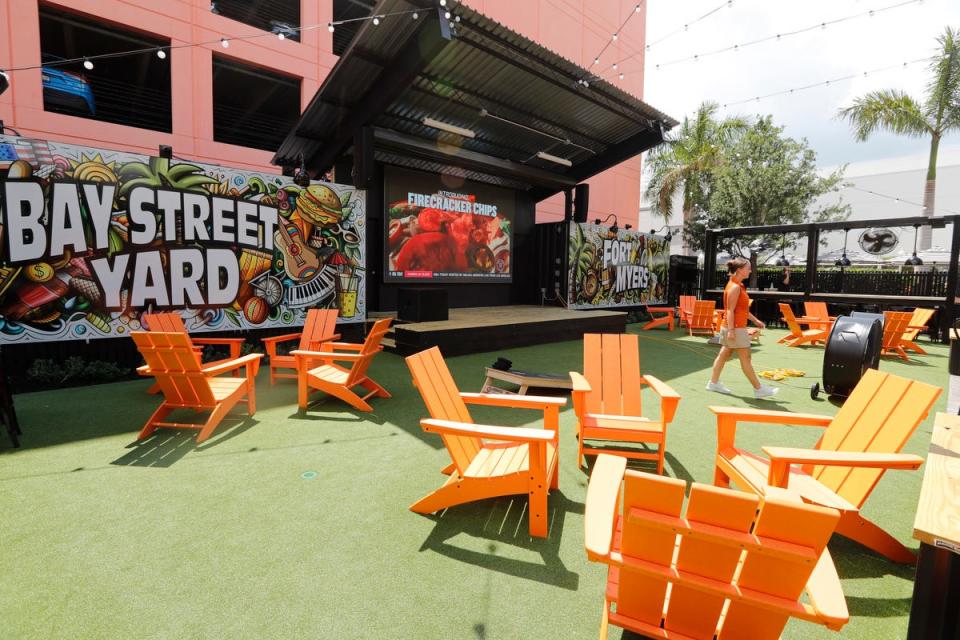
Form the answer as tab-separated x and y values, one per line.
421	305
581	202
363	158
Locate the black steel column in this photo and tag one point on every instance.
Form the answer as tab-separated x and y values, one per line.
709	262
947	317
813	244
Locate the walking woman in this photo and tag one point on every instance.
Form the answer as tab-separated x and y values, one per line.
733	336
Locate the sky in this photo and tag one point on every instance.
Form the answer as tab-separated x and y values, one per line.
888	38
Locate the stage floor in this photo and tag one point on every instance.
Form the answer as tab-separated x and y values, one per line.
478	329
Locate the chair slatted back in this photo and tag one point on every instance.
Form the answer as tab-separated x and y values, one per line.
432	378
921	317
168	321
702	319
654	532
816	310
318	327
176	367
895	324
371	347
611	364
787	312
880	415
686	304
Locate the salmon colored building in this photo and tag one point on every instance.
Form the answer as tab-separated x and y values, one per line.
575	29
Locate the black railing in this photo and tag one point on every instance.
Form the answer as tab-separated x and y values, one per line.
852	281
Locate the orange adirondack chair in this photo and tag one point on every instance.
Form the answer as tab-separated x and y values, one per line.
487	461
188	385
742	562
606	399
686	309
339	381
171	322
817	316
702	320
664	317
918	323
797	335
318	329
862	441
895	325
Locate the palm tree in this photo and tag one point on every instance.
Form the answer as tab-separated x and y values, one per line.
686	160
936	115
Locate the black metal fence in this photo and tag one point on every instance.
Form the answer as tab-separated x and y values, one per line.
853	281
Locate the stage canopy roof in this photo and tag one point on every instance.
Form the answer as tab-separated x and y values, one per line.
516	97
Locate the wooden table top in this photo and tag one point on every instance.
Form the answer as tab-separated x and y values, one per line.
938	509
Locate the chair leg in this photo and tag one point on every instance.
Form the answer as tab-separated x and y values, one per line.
913	346
162	412
720	479
859	529
154	389
377	390
538	511
555	478
251	385
348	396
216	416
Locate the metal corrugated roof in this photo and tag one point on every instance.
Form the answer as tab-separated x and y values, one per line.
517	96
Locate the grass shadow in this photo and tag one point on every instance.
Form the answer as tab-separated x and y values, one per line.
854	561
504	522
164	447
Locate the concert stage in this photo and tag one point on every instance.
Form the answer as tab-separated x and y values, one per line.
478	329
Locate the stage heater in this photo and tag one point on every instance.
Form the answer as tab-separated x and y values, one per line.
853	346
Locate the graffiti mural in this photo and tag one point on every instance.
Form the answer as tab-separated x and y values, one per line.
621	269
93	239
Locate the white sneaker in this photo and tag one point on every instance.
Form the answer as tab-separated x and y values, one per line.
765	392
718	387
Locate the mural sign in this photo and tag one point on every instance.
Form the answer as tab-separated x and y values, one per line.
622	269
93	239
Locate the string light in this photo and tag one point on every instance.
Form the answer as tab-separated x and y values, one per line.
894	198
780	36
614	37
826	83
224	42
376	20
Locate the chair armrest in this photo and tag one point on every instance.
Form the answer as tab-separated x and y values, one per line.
508	434
325	355
741	414
350	346
513	401
284	338
826	593
580	384
603	498
782	457
920	328
217	340
232	365
669	399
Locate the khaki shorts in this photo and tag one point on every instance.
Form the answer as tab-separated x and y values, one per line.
741	339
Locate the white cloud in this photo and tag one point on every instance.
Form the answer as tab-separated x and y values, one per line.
887	39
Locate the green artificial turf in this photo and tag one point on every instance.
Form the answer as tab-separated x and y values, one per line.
292	526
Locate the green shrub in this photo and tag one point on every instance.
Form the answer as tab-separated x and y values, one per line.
72	370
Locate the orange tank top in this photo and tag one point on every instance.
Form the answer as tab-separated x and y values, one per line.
741	309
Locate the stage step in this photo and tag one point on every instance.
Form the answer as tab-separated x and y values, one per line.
389	344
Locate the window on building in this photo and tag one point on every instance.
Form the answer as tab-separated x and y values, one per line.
275	16
132	90
349	10
252	107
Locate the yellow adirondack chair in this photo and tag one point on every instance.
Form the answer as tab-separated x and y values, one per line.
918	323
742	562
487	461
862	441
187	385
798	336
701	319
895	325
318	329
339	381
606	399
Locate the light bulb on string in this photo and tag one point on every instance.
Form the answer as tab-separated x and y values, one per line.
87	64
280	36
446	14
415	15
621	76
330	27
614	36
376	20
161	54
224	43
636	9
